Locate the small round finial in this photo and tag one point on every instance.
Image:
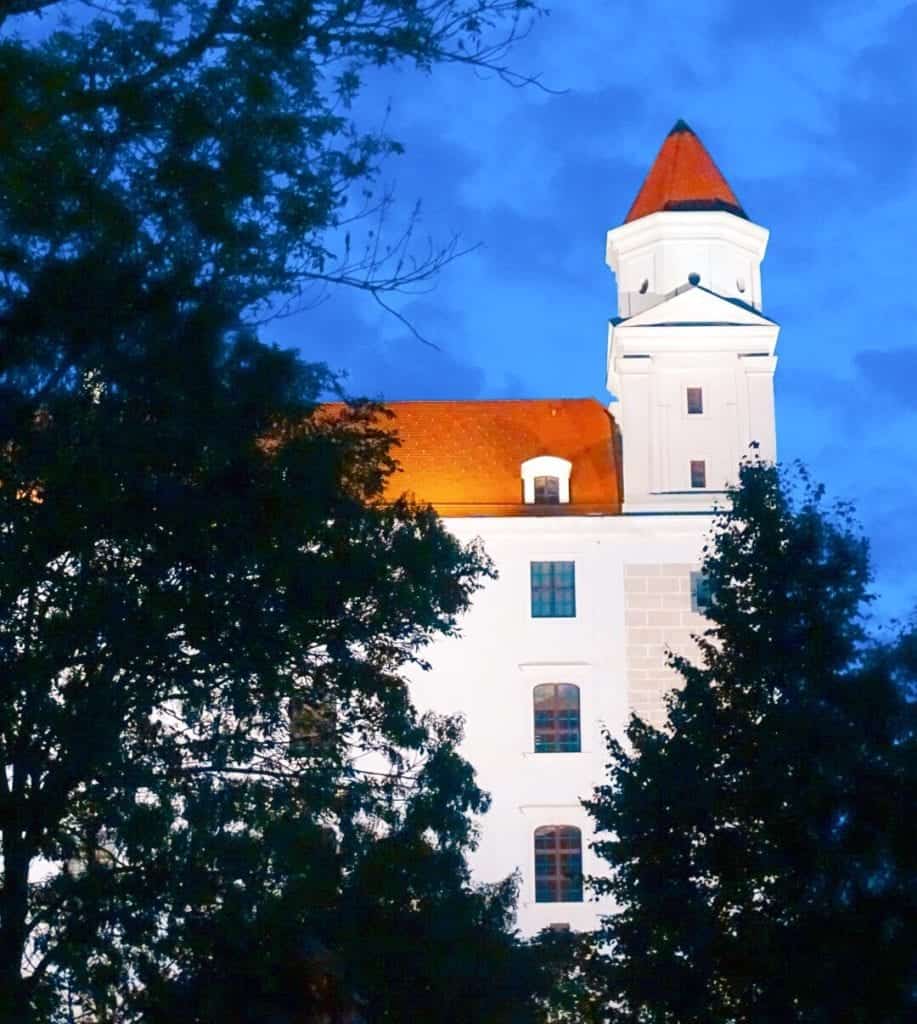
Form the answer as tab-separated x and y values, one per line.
693	278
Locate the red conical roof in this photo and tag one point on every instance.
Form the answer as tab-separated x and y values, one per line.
684	177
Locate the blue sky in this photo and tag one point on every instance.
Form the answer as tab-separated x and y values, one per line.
809	110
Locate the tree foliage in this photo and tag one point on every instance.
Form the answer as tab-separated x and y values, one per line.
206	149
762	853
192	548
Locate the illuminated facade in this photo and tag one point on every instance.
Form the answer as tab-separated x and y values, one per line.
595	519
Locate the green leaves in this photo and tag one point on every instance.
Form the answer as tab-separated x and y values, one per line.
190	545
758	852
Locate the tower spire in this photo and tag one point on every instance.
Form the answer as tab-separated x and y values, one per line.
684	177
690	356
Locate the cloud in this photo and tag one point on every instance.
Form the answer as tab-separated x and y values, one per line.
377	356
892	373
752	25
807	108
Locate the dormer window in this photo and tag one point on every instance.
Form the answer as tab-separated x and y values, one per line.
547	490
546	480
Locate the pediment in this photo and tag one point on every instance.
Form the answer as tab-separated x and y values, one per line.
700	306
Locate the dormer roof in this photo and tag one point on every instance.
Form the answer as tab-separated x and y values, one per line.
684	177
465	457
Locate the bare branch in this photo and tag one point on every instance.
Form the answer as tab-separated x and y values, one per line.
403	319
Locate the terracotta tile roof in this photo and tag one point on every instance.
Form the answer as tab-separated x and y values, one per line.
464	458
683	177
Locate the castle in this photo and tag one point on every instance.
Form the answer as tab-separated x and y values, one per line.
595	520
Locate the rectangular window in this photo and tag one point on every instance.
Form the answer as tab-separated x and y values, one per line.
698	473
312	728
553	590
547	490
695	401
557	719
701	594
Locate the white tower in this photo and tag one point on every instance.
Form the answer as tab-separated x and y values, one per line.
690	356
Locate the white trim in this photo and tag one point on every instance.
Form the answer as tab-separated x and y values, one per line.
546	465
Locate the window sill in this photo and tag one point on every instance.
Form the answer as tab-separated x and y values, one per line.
552	903
548	754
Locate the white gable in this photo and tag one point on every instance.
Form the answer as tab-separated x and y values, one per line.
699	306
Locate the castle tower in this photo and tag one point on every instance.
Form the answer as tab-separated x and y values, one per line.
574	633
690	355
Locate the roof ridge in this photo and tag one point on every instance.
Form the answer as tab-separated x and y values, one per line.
470	401
673	164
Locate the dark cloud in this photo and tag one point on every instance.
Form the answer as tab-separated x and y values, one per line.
377	356
869	124
816	393
559	244
855	467
578	120
406	369
756	24
886	510
887	514
892	373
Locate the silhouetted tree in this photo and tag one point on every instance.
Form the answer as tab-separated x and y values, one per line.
380	919
383	923
193	552
567	992
762	849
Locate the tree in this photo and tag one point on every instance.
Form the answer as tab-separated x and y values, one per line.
384	920
763	862
191	548
207	150
394	931
158	621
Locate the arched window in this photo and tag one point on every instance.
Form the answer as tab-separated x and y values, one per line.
557	718
558	864
546	480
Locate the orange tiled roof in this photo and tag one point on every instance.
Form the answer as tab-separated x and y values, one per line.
683	177
464	457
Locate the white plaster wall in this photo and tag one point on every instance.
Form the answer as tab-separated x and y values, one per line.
490	671
758	373
660	438
664	248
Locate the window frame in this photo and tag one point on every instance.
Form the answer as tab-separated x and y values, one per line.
698	392
312	727
549	490
700	584
546	465
558	884
702	463
556	605
556	728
